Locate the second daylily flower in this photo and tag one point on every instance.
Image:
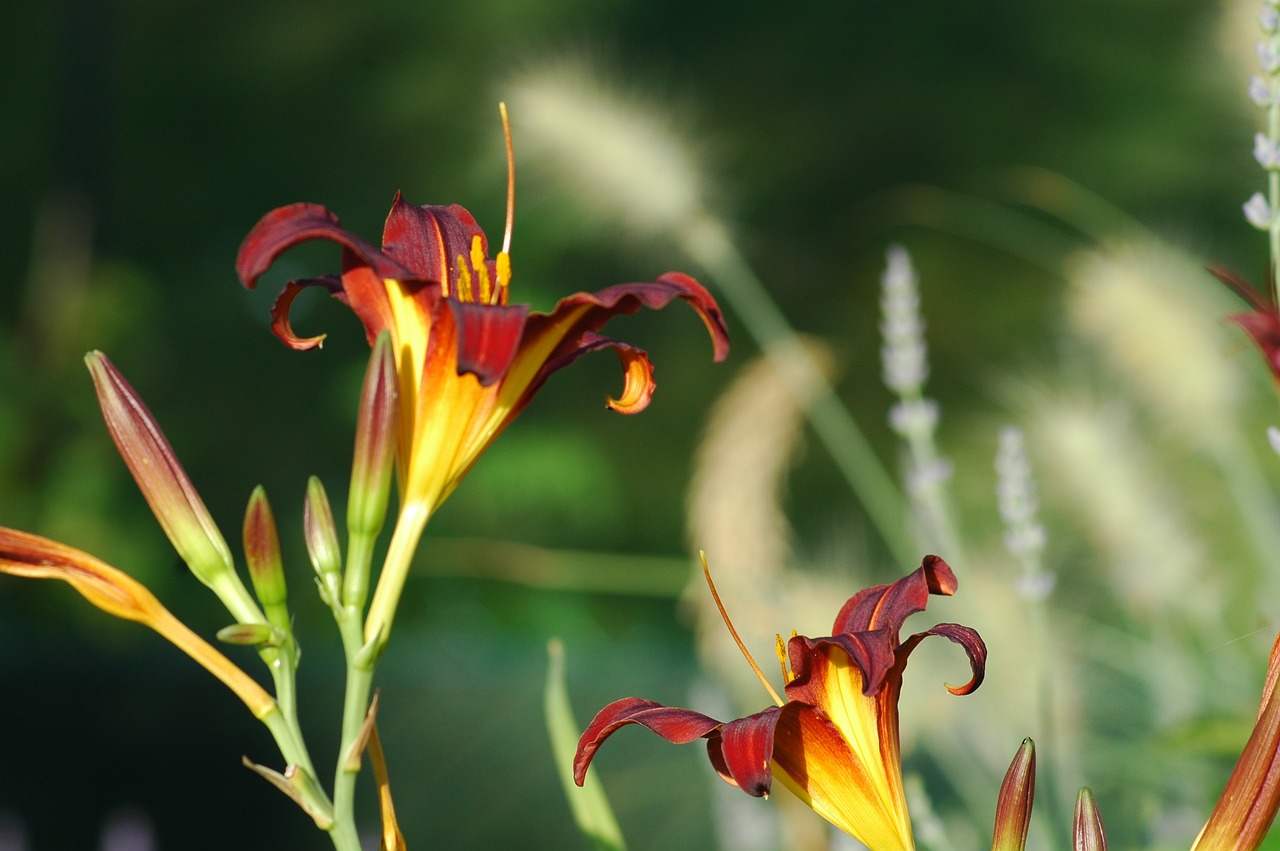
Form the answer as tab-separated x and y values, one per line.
834	742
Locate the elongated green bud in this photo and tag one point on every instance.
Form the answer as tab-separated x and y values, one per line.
1013	807
262	552
322	540
167	489
374	458
250	634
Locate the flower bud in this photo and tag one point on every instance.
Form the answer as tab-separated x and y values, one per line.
1013	807
322	540
262	552
249	634
167	489
374	458
1087	833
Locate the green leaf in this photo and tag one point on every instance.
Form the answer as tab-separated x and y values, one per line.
590	806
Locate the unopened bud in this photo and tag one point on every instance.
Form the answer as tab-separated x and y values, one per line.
374	458
262	552
1013	807
1087	833
167	489
322	541
250	635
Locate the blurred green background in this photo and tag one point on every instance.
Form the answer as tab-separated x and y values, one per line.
142	140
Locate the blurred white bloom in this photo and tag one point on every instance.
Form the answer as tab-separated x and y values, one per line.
904	352
1273	437
1257	211
913	416
1265	151
1016	496
1268	18
1268	57
1260	92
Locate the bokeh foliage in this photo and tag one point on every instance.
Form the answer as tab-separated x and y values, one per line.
141	140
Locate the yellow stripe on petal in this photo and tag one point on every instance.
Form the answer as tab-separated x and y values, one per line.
814	761
869	800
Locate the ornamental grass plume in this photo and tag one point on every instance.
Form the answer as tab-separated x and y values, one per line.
1099	465
624	155
1147	310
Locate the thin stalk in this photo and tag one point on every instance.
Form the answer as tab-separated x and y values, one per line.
1273	199
354	707
708	243
361	655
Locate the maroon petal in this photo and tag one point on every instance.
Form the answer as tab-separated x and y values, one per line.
280	325
574	321
678	726
285	227
1264	328
974	647
890	605
871	650
488	337
429	240
743	751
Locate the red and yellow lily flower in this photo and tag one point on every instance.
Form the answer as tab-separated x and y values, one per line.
468	361
834	741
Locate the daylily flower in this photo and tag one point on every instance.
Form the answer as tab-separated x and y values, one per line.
1262	324
468	362
834	741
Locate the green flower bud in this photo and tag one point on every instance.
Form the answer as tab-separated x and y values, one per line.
374	457
322	541
262	552
167	489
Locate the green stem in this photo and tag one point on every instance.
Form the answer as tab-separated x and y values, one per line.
354	708
1273	201
940	535
361	655
395	570
707	242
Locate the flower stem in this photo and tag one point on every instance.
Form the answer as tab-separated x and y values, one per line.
1273	198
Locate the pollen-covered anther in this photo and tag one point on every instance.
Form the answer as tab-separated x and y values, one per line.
484	285
504	277
464	292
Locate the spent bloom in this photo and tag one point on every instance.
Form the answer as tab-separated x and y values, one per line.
117	593
834	741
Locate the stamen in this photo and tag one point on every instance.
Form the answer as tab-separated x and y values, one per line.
464	280
706	572
511	180
504	276
780	650
480	264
